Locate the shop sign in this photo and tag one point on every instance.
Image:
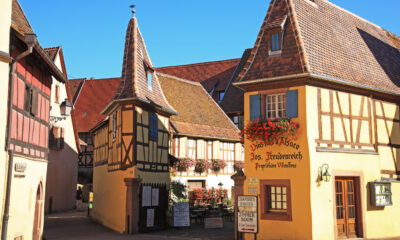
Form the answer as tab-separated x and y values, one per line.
252	181
247	214
181	214
20	167
289	157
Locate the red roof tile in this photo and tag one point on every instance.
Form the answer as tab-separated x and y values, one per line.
331	42
52	52
75	86
19	22
233	98
198	113
93	98
136	63
209	74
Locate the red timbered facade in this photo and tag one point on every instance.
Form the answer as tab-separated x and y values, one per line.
29	122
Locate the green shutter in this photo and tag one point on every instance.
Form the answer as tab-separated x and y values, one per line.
292	104
255	107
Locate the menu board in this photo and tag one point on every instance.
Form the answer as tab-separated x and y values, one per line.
146	196
181	214
247	214
150	217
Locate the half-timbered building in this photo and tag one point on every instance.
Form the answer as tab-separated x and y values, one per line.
131	166
337	76
28	125
201	131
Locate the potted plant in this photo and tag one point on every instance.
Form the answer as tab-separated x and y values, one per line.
270	131
217	165
201	166
238	166
183	164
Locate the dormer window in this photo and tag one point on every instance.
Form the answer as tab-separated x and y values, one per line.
275	43
276	30
149	74
149	79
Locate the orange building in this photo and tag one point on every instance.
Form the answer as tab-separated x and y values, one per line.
336	76
131	164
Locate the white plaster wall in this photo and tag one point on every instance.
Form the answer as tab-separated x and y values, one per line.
23	197
62	172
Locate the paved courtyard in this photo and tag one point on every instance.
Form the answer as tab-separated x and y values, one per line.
75	225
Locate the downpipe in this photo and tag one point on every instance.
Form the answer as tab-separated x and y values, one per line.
6	215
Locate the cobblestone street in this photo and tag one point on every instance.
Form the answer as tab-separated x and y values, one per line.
75	225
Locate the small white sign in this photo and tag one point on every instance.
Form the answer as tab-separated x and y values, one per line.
252	190
247	214
146	196
154	196
252	181
150	218
181	214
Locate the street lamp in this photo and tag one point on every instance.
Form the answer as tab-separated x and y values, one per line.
65	110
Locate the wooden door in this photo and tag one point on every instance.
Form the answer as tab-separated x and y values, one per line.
346	209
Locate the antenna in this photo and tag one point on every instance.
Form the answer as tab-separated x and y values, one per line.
133	10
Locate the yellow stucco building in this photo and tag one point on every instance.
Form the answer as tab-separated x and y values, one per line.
131	164
327	70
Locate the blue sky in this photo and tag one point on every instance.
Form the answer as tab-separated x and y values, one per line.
175	31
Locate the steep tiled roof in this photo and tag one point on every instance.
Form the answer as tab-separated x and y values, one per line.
233	98
19	22
136	63
209	74
332	42
75	86
52	52
93	98
199	114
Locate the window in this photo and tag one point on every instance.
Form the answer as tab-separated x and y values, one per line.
114	126
192	147
57	94
208	150
149	79
275	106
175	146
275	45
235	120
227	153
31	100
153	128
56	139
276	200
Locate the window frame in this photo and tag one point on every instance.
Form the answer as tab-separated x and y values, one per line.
281	34
264	200
57	94
114	126
264	94
153	126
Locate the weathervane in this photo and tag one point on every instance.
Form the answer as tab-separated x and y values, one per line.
133	10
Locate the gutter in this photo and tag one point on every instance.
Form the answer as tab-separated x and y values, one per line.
319	77
6	215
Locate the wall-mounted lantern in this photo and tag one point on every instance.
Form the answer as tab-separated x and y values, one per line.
324	174
65	110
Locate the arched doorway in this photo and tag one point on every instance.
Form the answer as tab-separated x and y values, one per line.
37	218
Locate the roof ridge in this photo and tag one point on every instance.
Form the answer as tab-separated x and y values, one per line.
178	79
199	63
49	48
